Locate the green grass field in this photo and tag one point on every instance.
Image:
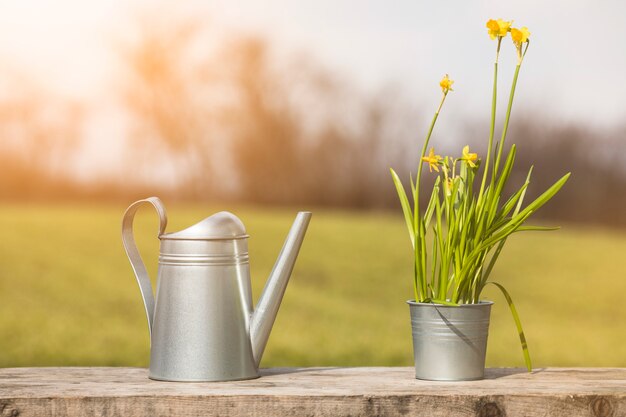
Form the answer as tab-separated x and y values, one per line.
68	295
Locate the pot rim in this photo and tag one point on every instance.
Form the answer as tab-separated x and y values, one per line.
481	303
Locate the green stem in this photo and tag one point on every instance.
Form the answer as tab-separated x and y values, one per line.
506	122
418	229
491	128
421	164
494	96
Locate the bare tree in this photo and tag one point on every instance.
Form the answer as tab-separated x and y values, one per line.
166	92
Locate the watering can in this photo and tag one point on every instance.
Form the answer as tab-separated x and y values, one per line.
202	324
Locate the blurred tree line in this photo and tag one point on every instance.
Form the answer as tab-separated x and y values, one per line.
38	130
238	122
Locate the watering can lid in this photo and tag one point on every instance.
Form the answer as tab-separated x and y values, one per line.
222	225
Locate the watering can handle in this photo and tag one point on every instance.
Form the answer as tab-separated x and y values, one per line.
133	253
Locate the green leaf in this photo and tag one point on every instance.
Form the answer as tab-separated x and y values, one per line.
406	207
545	197
537	228
505	231
492	261
504	177
431	204
423	256
518	324
517	199
521	200
439	236
512	201
434	258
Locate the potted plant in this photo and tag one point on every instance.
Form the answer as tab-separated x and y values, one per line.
470	216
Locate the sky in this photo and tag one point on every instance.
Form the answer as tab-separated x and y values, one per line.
572	72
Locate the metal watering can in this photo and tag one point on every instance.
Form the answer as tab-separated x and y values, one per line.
202	324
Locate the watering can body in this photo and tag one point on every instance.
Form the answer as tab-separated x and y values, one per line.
202	323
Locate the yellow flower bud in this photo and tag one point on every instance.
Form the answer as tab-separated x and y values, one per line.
446	84
469	157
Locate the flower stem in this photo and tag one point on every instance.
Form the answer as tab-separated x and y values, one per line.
491	127
420	268
506	121
421	165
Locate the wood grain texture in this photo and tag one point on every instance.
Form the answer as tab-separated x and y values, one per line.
598	392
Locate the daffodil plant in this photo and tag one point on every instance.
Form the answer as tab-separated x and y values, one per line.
468	214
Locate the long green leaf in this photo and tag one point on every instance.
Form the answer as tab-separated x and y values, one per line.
431	204
440	241
492	262
545	197
406	207
537	228
516	199
507	226
512	202
518	324
506	171
493	202
434	258
466	226
421	241
510	227
524	188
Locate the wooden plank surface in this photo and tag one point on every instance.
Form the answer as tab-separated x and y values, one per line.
599	392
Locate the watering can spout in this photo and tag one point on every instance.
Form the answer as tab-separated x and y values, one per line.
265	313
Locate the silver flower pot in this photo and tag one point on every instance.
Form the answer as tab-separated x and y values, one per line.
450	343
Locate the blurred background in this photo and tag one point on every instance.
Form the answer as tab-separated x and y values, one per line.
266	108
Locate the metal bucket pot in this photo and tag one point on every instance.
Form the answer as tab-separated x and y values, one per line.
450	343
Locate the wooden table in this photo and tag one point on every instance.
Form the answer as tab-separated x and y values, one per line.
599	392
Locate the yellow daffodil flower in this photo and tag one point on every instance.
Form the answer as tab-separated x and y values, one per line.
498	28
446	84
433	160
469	157
520	36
